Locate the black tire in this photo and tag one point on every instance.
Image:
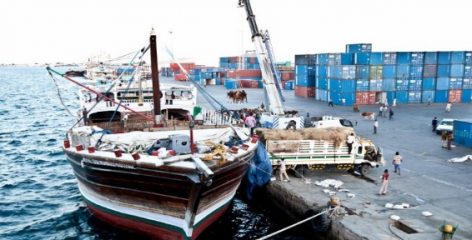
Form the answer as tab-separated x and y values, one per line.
299	171
319	224
364	169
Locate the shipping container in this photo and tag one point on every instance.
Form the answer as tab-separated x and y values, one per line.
376	58
342	71
390	97
342	85
468	58
401	85
287	75
244	73
248	83
401	96
334	59
457	57
321	71
390	58
467	83
463	132
415	84
289	85
365	98
444	71
322	59
429	83
466	96
304	91
455	96
348	97
232	83
347	59
427	96
431	58
321	83
305	59
358	47
442	83
362	72
180	77
322	95
414	96
429	70
455	83
376	85
403	71
468	71
403	57
417	58
441	96
388	84
416	71
376	72
444	57
362	85
457	70
389	71
305	75
362	58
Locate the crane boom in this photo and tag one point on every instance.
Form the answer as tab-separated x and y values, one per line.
268	76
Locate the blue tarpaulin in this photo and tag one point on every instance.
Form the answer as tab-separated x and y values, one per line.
260	171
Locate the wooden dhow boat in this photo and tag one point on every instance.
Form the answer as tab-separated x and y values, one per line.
167	181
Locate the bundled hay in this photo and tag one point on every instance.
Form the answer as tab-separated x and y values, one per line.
336	134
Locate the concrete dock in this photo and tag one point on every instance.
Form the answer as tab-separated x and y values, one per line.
427	181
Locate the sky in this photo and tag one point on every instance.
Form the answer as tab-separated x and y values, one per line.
201	31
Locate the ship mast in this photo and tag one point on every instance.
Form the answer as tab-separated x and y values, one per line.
155	79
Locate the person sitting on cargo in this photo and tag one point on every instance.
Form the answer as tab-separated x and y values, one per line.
291	125
349	142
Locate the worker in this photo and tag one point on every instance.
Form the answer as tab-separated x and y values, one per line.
349	142
397	160
384	177
283	171
434	123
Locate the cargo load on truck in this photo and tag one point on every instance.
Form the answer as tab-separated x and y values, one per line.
318	148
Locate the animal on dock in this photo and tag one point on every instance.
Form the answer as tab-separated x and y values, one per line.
238	96
368	115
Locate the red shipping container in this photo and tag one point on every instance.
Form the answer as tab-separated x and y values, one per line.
180	77
364	98
187	66
455	96
287	75
304	91
246	83
244	73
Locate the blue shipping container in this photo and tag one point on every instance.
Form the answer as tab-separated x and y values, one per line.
429	83
468	71
415	85
467	83
416	71
347	59
466	96
390	97
442	83
376	85
414	96
322	59
349	98
321	71
430	70
362	85
388	84
444	57
463	132
457	57
427	96
403	71
417	58
468	58
342	85
389	71
455	83
321	95
376	58
362	58
362	72
232	84
430	58
402	96
358	47
441	96
403	57
444	71
401	85
390	58
322	83
334	59
457	70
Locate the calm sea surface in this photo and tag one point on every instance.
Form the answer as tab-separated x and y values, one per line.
39	198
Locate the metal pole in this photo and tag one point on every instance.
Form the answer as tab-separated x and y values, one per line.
155	80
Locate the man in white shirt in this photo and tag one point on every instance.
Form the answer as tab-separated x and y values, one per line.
350	141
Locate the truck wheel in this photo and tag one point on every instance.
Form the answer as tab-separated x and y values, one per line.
319	224
364	169
299	171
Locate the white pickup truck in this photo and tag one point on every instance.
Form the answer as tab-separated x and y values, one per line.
321	149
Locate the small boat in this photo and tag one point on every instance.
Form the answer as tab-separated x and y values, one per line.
76	73
169	180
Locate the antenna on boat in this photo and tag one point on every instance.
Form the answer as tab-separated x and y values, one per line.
155	79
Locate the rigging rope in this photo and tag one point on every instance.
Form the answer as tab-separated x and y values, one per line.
60	96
